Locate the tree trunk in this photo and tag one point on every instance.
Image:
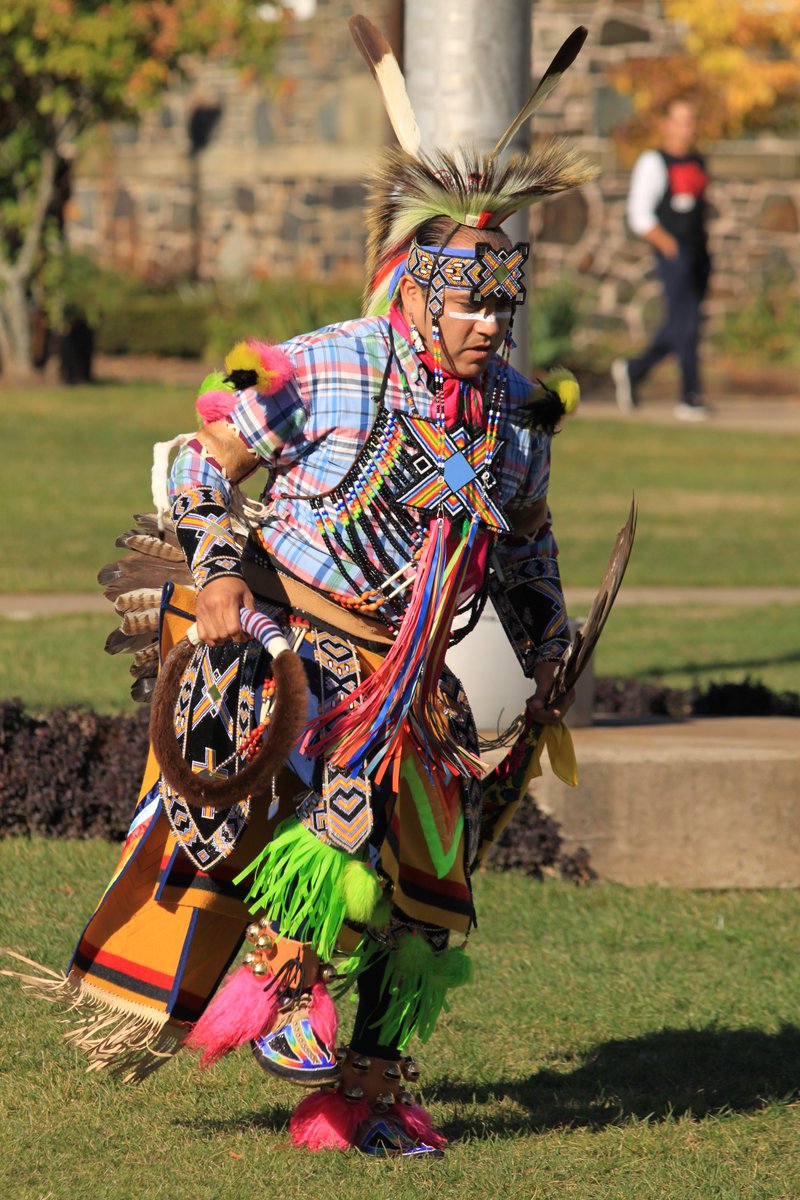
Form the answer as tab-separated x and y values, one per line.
16	360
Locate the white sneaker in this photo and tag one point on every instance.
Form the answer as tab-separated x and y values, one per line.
691	410
622	385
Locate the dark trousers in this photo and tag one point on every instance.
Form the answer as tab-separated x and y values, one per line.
684	280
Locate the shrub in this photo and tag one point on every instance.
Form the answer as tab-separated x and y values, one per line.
554	313
765	326
70	773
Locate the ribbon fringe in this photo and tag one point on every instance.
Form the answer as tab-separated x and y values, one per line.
399	700
124	1038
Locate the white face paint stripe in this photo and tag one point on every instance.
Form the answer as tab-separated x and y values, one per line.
500	314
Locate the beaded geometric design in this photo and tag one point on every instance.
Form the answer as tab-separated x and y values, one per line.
214	689
454	473
213	715
498	272
345	797
530	607
485	272
205	533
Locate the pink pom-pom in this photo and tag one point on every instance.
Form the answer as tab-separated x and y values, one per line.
326	1121
244	1006
416	1121
215	405
322	1015
276	363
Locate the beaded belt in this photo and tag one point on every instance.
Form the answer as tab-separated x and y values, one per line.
264	580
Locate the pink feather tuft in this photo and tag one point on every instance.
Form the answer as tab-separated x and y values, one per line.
240	1011
215	405
276	363
326	1121
322	1015
416	1121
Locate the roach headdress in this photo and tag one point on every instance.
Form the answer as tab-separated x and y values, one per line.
409	187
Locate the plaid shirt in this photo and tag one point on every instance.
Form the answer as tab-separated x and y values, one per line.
309	434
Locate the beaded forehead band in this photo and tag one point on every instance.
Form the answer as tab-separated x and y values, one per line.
485	271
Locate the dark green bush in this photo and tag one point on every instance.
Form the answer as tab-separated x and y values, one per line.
204	320
161	324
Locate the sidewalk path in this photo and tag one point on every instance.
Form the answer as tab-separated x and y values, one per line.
29	606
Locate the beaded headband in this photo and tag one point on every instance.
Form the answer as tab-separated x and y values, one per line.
487	272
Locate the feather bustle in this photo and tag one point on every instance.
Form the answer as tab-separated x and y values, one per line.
145	544
142	621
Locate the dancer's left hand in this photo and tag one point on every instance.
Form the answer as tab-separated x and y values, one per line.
537	706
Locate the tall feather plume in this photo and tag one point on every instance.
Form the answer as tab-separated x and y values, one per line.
562	61
469	186
387	74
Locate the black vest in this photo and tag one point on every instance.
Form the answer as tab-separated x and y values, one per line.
682	208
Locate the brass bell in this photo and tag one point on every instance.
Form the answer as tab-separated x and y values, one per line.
264	923
327	972
410	1069
405	1098
361	1063
392	1072
252	932
260	968
264	941
249	959
386	1099
353	1094
341	1053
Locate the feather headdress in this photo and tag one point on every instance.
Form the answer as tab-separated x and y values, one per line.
409	187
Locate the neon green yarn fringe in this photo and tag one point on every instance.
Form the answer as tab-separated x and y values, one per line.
416	981
308	888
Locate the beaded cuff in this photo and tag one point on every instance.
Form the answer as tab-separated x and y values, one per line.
530	606
204	530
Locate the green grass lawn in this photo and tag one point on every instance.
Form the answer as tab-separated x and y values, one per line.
616	1045
665	644
717	507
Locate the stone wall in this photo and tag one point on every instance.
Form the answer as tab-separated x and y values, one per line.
274	178
755	194
277	188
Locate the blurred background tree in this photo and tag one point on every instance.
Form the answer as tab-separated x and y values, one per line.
740	62
66	66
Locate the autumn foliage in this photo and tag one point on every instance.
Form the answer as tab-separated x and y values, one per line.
65	67
740	63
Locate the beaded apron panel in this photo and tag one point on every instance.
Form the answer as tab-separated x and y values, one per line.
213	715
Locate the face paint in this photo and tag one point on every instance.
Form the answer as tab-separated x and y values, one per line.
499	314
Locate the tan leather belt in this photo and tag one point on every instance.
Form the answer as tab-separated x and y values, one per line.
305	601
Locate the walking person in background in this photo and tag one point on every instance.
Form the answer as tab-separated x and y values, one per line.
667	209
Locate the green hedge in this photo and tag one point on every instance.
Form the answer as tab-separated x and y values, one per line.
205	320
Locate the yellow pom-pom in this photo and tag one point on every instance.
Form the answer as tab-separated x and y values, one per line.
243	358
565	385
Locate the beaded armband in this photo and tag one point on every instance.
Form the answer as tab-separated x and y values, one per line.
204	530
529	602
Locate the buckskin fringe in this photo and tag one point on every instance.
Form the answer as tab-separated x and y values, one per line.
124	1038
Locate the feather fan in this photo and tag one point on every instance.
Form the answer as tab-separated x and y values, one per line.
577	655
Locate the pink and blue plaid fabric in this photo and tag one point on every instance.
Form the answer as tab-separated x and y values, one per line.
309	434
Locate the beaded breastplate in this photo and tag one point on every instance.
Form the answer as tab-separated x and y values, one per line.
405	475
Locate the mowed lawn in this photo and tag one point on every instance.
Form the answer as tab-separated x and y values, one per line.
717	508
616	1044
